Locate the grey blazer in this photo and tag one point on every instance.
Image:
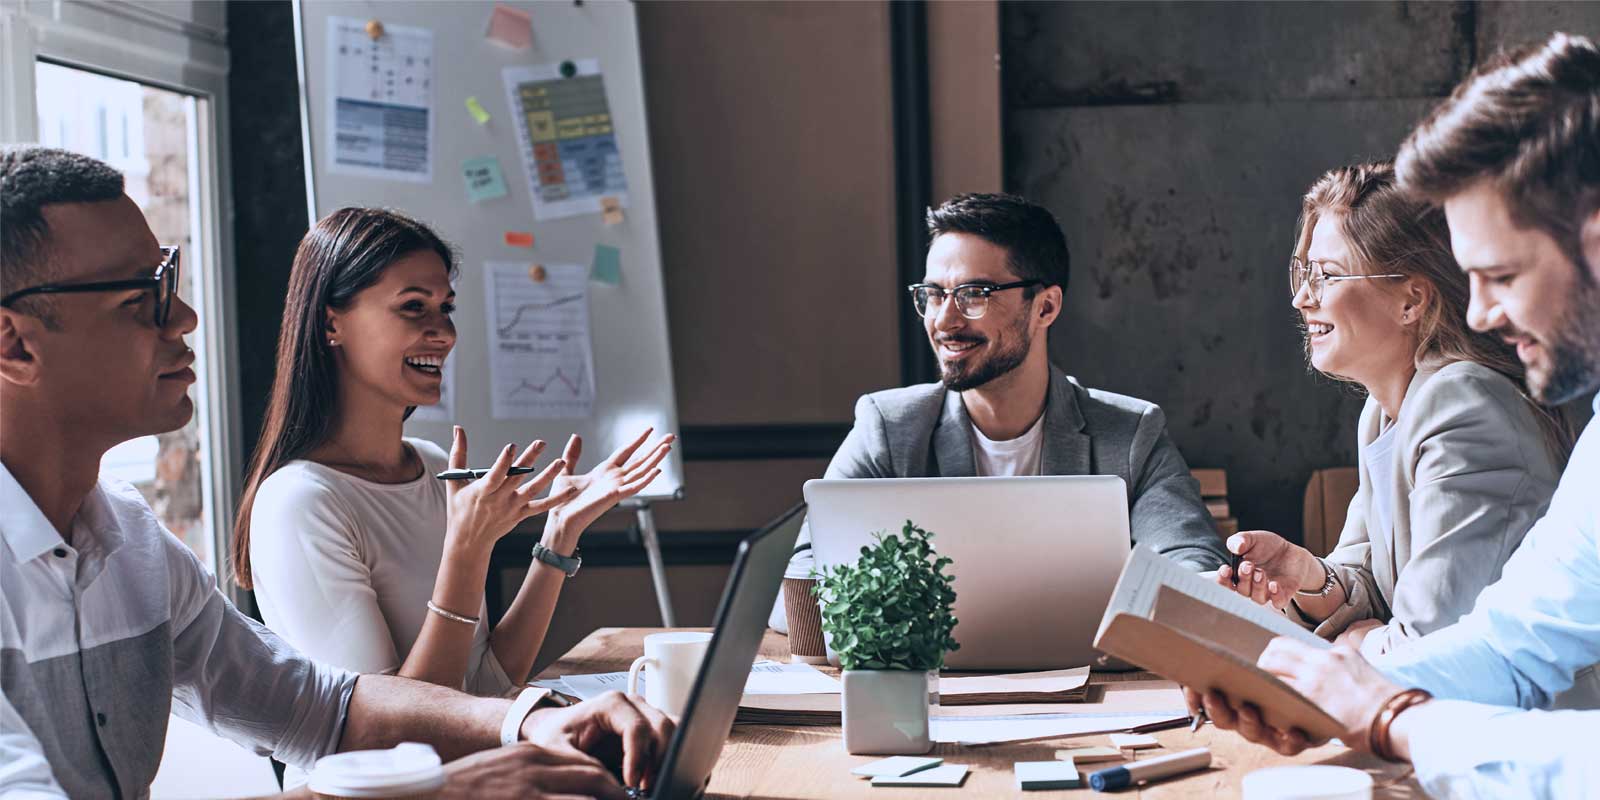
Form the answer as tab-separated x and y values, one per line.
1472	473
924	432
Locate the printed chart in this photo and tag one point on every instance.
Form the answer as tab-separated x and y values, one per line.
380	113
568	147
541	360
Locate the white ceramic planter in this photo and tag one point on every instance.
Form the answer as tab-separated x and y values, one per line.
886	711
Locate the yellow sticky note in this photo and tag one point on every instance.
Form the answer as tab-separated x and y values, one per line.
612	217
475	108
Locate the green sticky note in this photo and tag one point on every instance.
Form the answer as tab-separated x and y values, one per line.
484	179
607	267
475	108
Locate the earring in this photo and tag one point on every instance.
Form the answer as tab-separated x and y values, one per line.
332	342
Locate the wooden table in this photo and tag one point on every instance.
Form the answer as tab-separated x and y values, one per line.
768	761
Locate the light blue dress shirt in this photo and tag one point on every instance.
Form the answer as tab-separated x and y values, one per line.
1525	640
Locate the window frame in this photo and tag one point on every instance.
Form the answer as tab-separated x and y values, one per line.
176	47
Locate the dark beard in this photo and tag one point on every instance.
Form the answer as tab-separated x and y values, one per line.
1574	350
995	366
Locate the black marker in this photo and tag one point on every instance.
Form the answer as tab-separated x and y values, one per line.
474	474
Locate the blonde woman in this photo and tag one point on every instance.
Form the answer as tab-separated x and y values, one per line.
1456	463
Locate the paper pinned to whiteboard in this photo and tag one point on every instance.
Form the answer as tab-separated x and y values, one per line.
566	139
541	356
380	112
444	410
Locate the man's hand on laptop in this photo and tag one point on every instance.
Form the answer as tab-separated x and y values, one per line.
614	729
528	770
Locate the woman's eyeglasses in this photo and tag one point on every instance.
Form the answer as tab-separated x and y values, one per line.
1311	274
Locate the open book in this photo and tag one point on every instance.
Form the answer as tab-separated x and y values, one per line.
1186	628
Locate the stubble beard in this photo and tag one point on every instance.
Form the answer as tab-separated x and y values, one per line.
1002	362
1574	348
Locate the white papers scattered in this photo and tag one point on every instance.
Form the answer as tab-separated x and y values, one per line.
1020	727
380	112
772	677
896	766
444	410
541	359
568	146
947	775
766	677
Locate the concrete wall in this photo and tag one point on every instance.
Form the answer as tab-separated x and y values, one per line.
1173	141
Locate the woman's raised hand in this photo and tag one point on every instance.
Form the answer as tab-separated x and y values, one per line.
1271	569
488	508
631	468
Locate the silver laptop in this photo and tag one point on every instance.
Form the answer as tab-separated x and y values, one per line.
1036	558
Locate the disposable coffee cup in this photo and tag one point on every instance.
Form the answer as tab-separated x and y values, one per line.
804	616
408	771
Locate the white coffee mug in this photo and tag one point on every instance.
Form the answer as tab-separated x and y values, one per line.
674	660
408	770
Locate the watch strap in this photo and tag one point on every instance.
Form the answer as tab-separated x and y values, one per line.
567	564
527	699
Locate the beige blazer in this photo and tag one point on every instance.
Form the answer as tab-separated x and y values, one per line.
1472	473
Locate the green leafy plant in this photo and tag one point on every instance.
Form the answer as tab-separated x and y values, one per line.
891	609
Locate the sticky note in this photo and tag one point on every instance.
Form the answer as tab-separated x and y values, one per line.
611	210
1133	741
947	775
1035	775
475	108
519	238
896	766
607	267
485	181
511	27
1089	755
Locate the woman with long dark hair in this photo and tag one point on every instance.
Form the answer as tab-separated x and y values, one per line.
1456	462
357	554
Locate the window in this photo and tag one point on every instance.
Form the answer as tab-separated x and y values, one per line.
148	133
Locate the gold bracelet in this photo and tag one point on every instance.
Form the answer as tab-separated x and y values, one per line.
1378	739
451	615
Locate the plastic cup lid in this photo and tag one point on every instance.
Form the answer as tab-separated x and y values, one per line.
408	768
1318	782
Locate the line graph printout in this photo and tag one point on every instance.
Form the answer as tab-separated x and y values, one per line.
541	358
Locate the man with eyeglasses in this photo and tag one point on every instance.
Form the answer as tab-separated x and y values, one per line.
997	270
108	623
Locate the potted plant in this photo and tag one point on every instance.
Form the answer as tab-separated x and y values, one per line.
888	616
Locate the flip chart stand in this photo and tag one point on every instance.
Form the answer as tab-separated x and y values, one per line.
645	518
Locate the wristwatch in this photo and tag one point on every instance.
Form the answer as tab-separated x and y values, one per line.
567	564
1328	582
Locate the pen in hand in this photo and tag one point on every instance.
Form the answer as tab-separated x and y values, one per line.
474	474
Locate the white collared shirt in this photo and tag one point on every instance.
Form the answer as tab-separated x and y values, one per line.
101	640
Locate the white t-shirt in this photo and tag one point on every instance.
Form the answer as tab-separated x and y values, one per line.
344	567
1023	455
1379	455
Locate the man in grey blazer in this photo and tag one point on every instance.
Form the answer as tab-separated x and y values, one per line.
997	271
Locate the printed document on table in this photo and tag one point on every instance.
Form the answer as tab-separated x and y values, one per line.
541	357
766	677
566	138
1021	727
379	118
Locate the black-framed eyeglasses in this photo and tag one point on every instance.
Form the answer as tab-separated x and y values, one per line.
972	299
164	282
1312	274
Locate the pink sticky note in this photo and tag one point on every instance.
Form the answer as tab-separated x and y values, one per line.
511	27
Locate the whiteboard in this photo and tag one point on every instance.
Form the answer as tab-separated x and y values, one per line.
631	382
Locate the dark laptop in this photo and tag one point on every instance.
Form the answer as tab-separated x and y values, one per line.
741	622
